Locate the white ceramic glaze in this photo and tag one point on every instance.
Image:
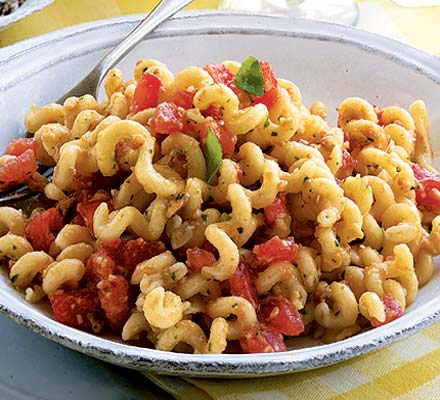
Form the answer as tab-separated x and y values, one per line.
28	8
328	62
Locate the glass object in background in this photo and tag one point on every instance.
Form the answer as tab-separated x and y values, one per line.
340	11
417	3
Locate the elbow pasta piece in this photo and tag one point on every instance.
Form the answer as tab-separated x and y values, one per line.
110	226
228	260
238	306
237	121
399	268
80	251
14	246
114	81
218	334
355	108
344	311
59	273
423	154
37	117
186	332
162	309
190	147
131	193
12	220
27	267
371	306
136	324
192	79
252	163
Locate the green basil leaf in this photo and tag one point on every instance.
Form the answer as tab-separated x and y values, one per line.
250	77
213	155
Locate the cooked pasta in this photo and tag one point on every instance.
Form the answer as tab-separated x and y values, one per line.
188	211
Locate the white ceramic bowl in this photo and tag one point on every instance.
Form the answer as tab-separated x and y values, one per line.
28	8
328	62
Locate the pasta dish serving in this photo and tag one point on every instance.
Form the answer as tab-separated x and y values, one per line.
210	211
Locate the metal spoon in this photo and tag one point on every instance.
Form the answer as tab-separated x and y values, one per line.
91	83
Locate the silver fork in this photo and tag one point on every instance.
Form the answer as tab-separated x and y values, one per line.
91	83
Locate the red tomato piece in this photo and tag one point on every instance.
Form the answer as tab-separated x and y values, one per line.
87	210
348	160
146	94
100	266
259	338
275	250
241	284
39	230
393	310
74	308
221	74
183	98
214	112
114	297
19	146
199	258
425	194
226	138
277	210
18	169
137	250
167	119
280	314
271	89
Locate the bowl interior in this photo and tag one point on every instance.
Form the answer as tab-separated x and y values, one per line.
327	62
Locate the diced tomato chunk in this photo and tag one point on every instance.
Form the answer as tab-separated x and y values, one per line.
19	146
271	89
183	98
275	250
226	138
277	210
241	284
100	265
259	338
167	119
17	170
137	250
393	310
146	94
221	74
280	314
75	308
348	160
425	193
199	258
87	210
114	297
39	230
214	112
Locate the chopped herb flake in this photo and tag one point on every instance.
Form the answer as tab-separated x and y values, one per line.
266	124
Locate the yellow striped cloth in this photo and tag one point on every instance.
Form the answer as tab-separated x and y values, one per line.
406	370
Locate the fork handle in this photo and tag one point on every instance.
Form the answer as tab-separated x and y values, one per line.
163	10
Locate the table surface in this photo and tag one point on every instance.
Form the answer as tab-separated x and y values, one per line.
420	27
